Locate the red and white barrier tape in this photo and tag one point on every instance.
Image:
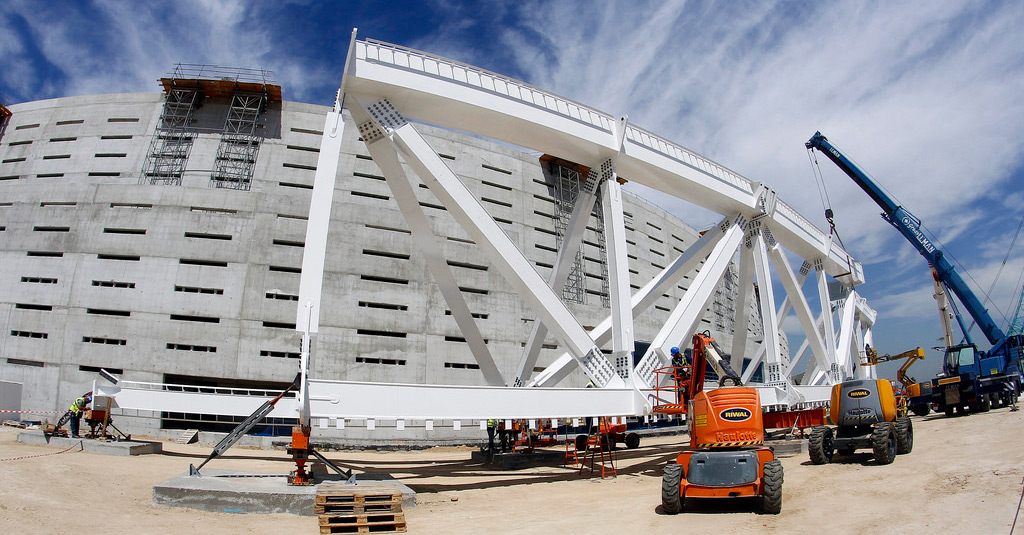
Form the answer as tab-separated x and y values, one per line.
11	411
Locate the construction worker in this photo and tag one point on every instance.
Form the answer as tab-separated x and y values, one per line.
76	409
491	425
677	357
503	436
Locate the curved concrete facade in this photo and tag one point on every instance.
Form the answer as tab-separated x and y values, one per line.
198	282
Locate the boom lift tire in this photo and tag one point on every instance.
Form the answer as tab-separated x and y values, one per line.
821	445
632	441
771	500
671	501
883	443
581	442
920	409
904	435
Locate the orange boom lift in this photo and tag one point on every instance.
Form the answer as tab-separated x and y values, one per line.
727	457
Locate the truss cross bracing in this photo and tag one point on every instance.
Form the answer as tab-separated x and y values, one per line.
386	86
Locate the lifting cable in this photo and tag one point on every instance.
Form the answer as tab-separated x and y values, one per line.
80	445
1001	266
826	201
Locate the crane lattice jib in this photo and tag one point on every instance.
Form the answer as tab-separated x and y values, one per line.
910	227
1017	320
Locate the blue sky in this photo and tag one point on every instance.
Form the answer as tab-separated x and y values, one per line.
924	95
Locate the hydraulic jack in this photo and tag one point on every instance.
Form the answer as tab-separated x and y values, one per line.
300	451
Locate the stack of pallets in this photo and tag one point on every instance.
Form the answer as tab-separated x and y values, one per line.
349	509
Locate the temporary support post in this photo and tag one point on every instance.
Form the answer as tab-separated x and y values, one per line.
473	218
429	246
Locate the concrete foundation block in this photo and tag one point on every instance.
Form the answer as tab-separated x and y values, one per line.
227	492
122	448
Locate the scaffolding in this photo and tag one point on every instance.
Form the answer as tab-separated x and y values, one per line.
172	142
249	91
567	189
239	143
602	249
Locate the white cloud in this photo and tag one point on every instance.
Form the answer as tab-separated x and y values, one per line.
925	95
111	46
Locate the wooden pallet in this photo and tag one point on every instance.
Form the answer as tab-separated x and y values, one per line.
348	509
363	523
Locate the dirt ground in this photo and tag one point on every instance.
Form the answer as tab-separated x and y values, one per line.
965	475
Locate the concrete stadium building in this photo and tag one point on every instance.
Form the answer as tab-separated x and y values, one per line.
192	277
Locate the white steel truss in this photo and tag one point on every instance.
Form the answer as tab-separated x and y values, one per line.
384	85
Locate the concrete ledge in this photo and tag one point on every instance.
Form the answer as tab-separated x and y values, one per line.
788	448
123	448
226	492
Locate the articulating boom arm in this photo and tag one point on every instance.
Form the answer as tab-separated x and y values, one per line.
910	227
707	352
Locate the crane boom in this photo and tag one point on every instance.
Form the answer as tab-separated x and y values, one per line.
910	226
971	379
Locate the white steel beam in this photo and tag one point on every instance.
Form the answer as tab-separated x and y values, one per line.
430	247
571	242
645	297
388	401
618	273
825	302
500	250
846	337
455	95
314	251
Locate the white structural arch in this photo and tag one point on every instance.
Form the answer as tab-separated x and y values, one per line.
385	86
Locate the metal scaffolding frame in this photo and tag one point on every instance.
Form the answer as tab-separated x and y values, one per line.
172	142
240	142
249	91
567	189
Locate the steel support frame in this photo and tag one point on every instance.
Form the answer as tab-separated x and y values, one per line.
494	243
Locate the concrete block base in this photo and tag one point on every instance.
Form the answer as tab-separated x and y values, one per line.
227	492
123	448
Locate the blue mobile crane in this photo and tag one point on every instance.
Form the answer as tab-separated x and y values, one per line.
972	380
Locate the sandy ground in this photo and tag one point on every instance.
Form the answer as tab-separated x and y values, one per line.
965	475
